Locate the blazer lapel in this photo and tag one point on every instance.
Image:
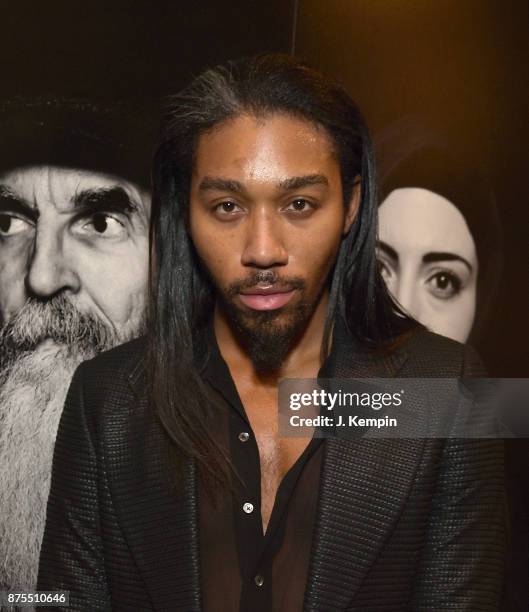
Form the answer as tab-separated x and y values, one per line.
364	484
159	524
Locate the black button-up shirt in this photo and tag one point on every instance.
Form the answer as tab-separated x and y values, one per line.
242	568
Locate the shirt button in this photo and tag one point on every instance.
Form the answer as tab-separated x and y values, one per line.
248	507
243	436
259	580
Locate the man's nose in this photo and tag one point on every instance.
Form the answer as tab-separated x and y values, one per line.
50	269
264	245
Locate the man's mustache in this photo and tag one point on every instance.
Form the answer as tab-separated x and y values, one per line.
58	320
268	278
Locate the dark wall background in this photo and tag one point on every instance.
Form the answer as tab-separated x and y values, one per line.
461	67
129	48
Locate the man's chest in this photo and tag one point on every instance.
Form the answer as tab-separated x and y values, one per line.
277	454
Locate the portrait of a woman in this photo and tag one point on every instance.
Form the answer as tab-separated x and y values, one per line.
439	241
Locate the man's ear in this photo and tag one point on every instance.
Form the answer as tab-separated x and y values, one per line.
353	206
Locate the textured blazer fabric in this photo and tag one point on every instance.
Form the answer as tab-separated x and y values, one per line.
402	524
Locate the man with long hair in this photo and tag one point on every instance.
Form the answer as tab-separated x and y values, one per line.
172	488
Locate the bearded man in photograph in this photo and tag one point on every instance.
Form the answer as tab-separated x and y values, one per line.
171	487
74	235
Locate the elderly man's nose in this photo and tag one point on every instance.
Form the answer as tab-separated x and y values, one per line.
50	270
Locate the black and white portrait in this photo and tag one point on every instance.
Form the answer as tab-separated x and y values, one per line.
74	218
439	239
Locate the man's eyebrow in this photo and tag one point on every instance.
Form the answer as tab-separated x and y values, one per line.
298	182
439	256
103	198
216	183
289	184
9	202
389	251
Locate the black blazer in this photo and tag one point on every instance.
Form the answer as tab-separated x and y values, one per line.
413	524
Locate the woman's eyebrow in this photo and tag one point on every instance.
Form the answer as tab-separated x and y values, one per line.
435	257
389	251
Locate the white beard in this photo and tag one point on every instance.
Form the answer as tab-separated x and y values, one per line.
33	388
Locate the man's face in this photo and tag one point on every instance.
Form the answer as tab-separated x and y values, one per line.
76	234
267	218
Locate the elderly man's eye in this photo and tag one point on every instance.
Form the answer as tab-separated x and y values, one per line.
11	225
104	225
444	285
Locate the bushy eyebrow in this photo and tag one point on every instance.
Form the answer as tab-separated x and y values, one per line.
9	202
104	198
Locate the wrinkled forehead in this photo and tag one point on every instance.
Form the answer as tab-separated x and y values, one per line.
43	186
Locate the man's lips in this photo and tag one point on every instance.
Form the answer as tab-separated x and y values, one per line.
266	298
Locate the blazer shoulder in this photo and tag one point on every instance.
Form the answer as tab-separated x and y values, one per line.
121	360
433	355
111	377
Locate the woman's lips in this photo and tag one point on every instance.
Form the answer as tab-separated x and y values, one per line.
266	301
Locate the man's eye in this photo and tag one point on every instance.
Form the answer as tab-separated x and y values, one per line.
11	225
226	208
103	224
444	285
300	205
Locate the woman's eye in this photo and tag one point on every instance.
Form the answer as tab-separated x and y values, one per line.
385	265
384	269
444	285
11	225
103	224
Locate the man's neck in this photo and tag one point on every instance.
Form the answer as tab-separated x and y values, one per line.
302	361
